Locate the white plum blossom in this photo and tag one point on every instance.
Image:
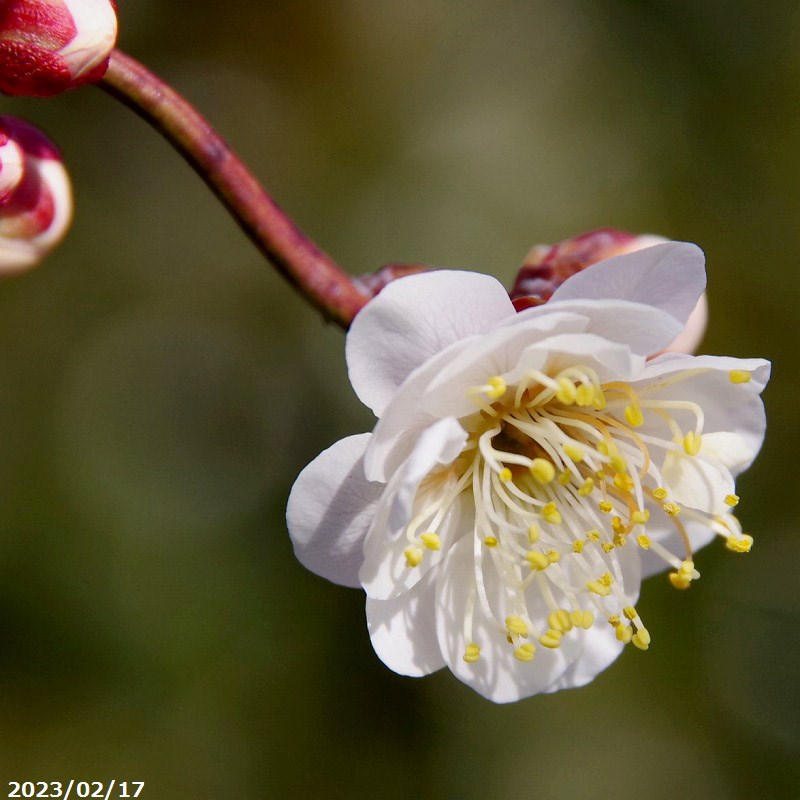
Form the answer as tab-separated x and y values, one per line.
529	469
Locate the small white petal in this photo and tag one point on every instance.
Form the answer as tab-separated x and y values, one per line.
330	508
385	573
600	649
646	330
403	631
497	675
696	483
449	391
668	276
729	449
414	318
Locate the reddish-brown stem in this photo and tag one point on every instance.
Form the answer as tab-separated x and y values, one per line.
315	275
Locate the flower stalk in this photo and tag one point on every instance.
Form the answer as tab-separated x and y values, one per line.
311	271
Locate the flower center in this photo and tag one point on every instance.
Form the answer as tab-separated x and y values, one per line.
562	482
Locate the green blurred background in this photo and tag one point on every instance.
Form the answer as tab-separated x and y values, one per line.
162	387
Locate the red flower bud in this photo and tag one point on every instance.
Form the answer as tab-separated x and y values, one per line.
35	196
47	46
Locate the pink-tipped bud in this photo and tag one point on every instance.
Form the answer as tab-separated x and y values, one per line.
35	196
547	266
47	46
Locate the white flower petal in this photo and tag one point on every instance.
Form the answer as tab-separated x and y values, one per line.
646	330
705	380
696	483
497	675
662	530
668	276
330	508
449	391
385	572
466	362
414	318
729	449
403	630
600	649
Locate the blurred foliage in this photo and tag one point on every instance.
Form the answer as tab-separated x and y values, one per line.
162	388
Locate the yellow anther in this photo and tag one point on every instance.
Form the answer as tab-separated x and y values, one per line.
585	394
413	554
593	535
687	569
739	376
619	463
564	477
574	452
606	579
567	391
505	475
692	443
634	416
551	639
560	620
490	541
598	588
533	533
660	493
578	545
640	517
643	541
624	632
516	626
623	481
587	620
617	525
525	652
472	653
741	544
603	448
678	581
607	547
498	387
630	612
673	509
537	560
605	506
641	639
587	487
614	620
599	401
551	514
553	556
619	540
732	499
431	540
543	470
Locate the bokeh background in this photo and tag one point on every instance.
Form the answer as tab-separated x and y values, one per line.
162	387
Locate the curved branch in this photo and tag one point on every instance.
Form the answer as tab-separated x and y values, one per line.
313	273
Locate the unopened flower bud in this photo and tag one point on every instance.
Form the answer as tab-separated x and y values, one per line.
47	46
546	267
373	282
35	196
